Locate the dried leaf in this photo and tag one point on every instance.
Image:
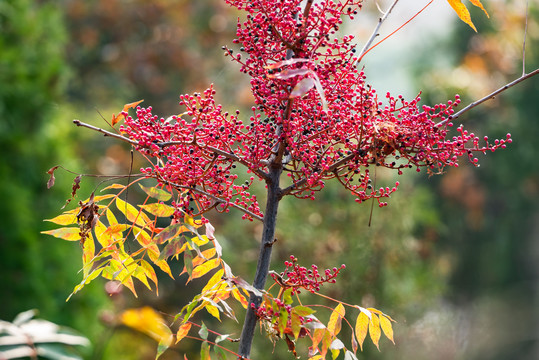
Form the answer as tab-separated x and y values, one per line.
335	320
52	179
290	73
302	87
285	63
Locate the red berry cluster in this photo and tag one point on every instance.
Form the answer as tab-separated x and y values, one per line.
313	103
299	277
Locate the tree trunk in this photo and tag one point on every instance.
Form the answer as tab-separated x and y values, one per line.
264	256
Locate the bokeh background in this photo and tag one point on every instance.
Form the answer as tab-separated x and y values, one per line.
454	258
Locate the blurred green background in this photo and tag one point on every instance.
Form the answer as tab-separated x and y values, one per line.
454	258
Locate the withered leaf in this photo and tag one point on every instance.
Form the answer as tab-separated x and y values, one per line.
52	179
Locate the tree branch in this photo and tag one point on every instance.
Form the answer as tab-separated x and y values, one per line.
105	132
223	153
492	95
213	197
375	33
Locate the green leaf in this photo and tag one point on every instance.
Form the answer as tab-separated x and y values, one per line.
283	320
302	310
203	332
188	262
205	351
287	296
220	352
156	193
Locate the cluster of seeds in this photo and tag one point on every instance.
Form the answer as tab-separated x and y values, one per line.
312	101
299	277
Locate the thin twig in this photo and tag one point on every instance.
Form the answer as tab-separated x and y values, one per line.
365	50
375	33
105	132
524	42
488	97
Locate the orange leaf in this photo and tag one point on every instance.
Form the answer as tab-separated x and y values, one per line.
463	12
120	116
479	5
182	332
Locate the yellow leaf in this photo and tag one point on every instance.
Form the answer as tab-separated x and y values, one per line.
149	271
374	330
131	213
215	279
385	323
66	233
212	310
182	332
334	325
160	210
111	218
67	218
114	187
463	12
206	255
189	220
205	268
142	236
239	296
362	327
149	322
200	240
88	253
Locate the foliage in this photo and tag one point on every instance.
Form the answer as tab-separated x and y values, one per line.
26	337
315	119
34	132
